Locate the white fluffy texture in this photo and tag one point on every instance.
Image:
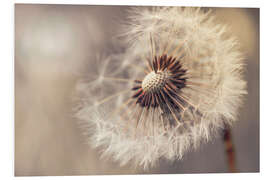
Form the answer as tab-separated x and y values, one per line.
214	91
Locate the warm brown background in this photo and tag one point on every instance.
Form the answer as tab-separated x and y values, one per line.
53	45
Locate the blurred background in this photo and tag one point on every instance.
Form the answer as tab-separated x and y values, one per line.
53	47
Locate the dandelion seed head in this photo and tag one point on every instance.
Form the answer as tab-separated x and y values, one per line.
155	81
178	82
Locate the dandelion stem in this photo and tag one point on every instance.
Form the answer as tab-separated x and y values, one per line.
229	148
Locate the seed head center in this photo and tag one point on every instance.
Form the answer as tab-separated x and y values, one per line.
154	81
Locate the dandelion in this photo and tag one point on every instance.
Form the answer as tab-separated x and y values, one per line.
177	84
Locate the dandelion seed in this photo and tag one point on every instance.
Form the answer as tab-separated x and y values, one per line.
161	85
179	81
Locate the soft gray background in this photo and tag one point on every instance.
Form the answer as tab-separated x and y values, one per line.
53	47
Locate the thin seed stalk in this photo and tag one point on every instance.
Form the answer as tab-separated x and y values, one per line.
229	149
